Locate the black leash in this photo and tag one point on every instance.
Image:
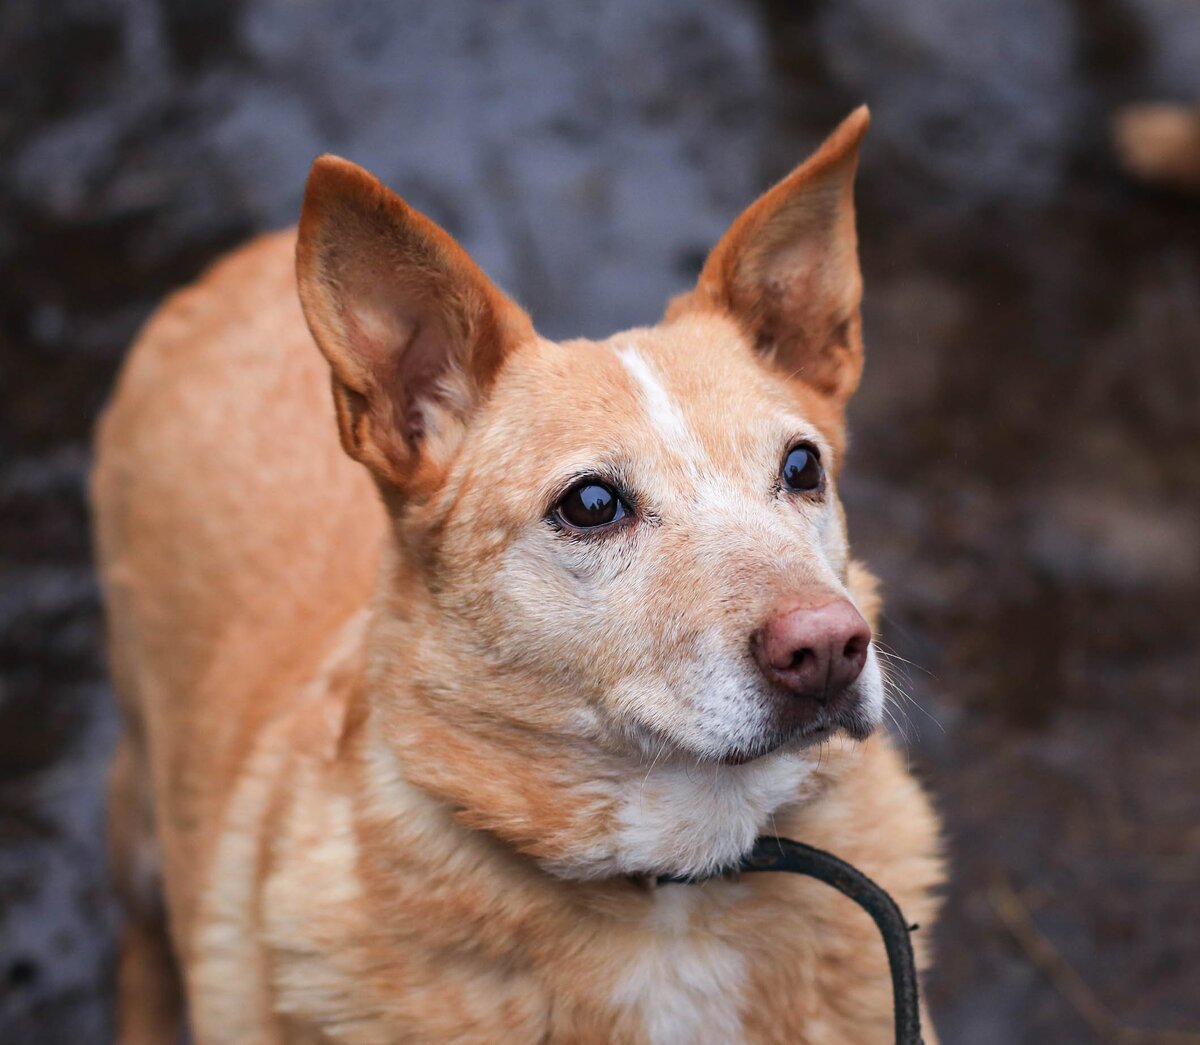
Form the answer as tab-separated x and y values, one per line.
782	854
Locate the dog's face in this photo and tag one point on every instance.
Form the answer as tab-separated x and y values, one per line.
625	520
641	537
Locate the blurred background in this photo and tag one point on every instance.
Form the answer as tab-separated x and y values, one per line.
1025	472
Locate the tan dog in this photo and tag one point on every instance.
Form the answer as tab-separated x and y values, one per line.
407	744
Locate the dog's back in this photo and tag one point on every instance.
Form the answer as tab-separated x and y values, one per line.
234	538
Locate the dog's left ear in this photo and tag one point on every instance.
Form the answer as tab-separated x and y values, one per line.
787	269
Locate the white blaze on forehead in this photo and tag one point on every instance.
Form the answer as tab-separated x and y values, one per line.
718	486
663	411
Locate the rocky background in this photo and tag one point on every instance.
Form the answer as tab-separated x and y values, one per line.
1026	471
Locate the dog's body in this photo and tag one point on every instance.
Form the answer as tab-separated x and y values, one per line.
407	766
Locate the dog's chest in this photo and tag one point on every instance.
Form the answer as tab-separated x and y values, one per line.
683	978
675	974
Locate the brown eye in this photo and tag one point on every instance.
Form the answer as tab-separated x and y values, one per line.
802	471
591	504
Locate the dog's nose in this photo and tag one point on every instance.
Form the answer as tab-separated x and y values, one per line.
815	651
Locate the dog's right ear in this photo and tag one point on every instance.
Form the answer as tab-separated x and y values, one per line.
413	331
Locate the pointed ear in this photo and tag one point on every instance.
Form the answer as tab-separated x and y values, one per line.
413	331
787	269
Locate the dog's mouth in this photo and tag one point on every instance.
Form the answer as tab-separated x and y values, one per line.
775	721
851	718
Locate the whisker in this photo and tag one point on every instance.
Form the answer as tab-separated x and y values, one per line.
774	827
884	650
903	694
901	728
894	669
661	748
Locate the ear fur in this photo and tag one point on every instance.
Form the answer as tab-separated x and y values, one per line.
787	269
413	331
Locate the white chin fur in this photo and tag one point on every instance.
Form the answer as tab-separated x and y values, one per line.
691	819
688	817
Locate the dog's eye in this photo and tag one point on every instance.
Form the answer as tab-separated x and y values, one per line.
590	504
802	471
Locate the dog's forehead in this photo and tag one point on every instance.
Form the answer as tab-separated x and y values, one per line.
691	387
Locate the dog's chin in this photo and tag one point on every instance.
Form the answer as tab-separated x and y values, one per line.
854	713
854	722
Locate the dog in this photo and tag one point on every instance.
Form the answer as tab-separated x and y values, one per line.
415	718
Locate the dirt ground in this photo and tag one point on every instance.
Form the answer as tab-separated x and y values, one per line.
1025	471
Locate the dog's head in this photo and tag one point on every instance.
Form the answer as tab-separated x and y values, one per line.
635	543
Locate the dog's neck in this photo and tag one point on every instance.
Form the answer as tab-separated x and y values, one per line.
578	809
581	813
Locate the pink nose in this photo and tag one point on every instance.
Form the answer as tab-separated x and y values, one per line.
813	651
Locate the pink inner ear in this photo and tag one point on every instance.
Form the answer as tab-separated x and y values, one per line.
406	320
423	364
404	353
819	284
797	281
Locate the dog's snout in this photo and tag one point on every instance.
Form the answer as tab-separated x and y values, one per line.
813	650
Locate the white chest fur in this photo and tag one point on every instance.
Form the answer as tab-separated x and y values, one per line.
693	820
684	980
